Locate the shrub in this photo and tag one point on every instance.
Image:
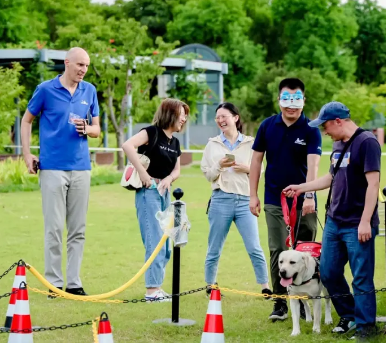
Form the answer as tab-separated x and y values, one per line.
14	176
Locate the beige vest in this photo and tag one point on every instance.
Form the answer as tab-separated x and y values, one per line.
226	179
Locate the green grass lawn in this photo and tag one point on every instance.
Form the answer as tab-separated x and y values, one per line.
114	253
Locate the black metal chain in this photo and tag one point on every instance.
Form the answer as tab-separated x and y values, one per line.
9	269
143	300
64	326
170	296
7	295
348	295
50	328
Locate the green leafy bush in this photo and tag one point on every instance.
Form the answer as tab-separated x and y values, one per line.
14	176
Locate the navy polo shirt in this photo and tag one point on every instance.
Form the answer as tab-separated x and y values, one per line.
286	149
61	147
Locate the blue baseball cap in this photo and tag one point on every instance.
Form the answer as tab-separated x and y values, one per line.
331	111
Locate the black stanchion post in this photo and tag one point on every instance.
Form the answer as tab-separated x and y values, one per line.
383	319
384	193
176	320
178	194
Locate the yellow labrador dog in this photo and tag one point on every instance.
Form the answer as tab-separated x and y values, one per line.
299	272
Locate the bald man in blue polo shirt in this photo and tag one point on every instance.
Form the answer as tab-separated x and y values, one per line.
293	152
64	104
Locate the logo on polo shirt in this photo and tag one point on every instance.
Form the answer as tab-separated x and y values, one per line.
84	102
300	141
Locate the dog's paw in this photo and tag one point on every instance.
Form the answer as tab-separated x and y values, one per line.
308	320
295	332
328	321
316	329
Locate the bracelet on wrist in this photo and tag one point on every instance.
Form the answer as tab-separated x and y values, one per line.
84	127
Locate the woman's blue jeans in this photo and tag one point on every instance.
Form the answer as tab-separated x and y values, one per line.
224	209
148	202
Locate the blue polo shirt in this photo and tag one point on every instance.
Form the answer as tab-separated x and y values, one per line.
286	149
61	147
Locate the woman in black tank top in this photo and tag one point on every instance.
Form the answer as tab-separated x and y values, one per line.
157	142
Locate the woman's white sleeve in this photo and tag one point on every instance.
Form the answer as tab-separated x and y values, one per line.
210	168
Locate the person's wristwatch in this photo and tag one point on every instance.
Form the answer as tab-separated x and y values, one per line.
309	195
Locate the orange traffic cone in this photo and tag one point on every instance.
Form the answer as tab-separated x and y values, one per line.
104	330
214	328
19	277
21	328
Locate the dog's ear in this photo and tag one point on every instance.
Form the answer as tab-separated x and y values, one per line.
307	258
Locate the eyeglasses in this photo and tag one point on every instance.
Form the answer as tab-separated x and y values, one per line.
219	118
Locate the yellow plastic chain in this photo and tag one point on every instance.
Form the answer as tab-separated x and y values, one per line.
105	295
82	298
380	196
95	329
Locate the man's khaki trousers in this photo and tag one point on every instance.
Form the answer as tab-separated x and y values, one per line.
65	200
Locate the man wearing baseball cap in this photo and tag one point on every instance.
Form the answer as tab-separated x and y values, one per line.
331	111
352	217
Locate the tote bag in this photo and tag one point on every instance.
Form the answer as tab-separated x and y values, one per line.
130	177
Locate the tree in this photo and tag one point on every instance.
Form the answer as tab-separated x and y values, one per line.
254	100
261	29
69	30
224	26
19	25
245	59
369	45
154	14
10	89
315	34
361	100
246	99
58	14
118	75
189	87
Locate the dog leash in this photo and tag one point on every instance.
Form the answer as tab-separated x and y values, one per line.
289	218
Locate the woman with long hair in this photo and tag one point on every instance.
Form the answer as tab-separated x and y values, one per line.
225	164
157	143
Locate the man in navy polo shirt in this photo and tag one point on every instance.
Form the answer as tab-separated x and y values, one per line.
352	219
293	152
64	103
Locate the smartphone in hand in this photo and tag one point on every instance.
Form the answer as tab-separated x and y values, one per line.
35	165
230	157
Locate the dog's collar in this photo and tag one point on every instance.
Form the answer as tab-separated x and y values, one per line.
316	275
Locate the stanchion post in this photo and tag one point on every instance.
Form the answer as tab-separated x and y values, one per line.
384	204
383	319
176	320
178	194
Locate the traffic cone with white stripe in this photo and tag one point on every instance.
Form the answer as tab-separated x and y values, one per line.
21	328
104	330
19	278
214	328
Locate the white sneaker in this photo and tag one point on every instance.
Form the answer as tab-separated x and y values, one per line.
159	293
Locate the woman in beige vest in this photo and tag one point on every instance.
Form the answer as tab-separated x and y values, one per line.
225	164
